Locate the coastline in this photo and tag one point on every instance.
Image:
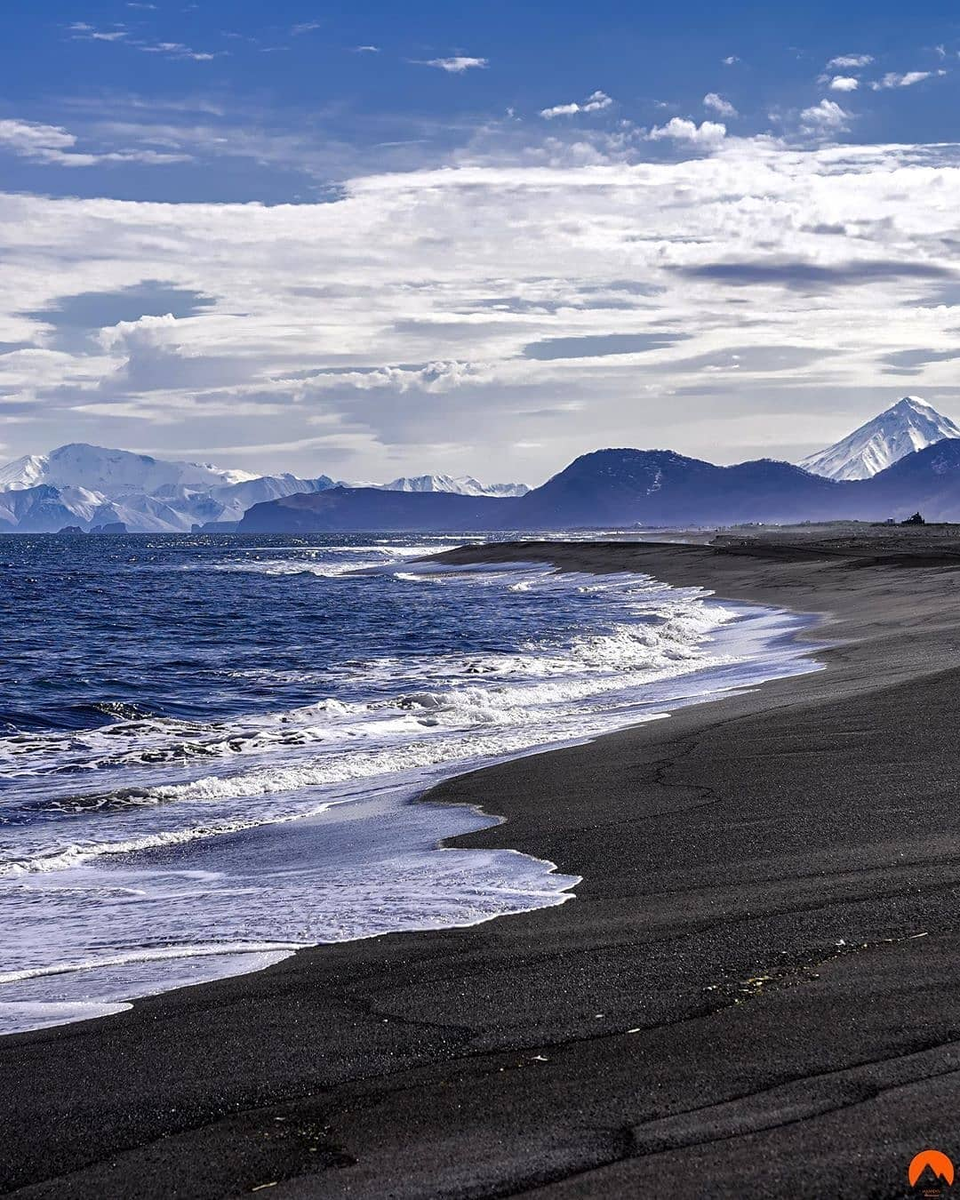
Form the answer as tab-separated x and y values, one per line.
732	859
636	651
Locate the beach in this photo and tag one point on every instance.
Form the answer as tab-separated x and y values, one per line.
754	991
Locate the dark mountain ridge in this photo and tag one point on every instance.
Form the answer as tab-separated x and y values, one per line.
625	487
345	510
654	487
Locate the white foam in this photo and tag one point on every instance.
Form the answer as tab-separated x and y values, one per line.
19	1016
286	828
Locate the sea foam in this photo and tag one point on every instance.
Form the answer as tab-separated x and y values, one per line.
153	850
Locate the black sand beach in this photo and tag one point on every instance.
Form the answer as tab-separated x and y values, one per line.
754	994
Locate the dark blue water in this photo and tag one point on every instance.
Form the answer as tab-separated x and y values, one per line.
214	627
209	745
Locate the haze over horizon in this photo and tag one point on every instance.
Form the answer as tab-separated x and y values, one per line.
372	242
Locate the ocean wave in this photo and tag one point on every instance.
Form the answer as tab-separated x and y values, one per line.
75	854
149	954
523	689
257	791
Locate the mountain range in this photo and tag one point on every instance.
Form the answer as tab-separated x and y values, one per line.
465	485
905	459
624	488
86	487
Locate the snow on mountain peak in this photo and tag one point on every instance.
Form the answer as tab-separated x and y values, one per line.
910	424
113	472
93	484
466	485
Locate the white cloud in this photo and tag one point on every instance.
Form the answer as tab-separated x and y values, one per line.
29	139
387	319
893	80
596	102
366	49
825	117
844	83
560	110
456	65
53	145
81	31
305	27
844	62
176	50
718	105
730	60
679	129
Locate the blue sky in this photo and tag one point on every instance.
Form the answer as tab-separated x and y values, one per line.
369	239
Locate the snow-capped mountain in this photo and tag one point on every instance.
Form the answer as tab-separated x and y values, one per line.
910	424
466	485
111	472
87	486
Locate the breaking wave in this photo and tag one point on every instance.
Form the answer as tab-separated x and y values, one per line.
238	781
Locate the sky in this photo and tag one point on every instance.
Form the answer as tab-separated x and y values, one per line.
370	239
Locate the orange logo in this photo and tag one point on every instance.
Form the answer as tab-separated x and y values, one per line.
938	1163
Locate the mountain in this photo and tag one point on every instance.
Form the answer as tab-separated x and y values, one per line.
92	485
927	481
344	509
89	486
660	487
466	485
33	510
608	488
910	424
622	488
111	472
234	499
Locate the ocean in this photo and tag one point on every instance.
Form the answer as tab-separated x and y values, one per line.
210	745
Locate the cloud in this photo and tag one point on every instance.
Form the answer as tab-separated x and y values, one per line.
807	276
596	102
825	117
456	65
679	129
388	318
893	80
81	31
177	50
912	362
844	62
53	145
366	49
844	83
305	27
730	60
717	104
73	318
599	345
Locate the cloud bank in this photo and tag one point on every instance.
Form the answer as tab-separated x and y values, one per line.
748	294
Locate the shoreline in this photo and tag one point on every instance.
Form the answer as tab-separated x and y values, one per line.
569	1049
732	646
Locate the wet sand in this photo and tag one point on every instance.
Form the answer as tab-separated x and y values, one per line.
754	993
